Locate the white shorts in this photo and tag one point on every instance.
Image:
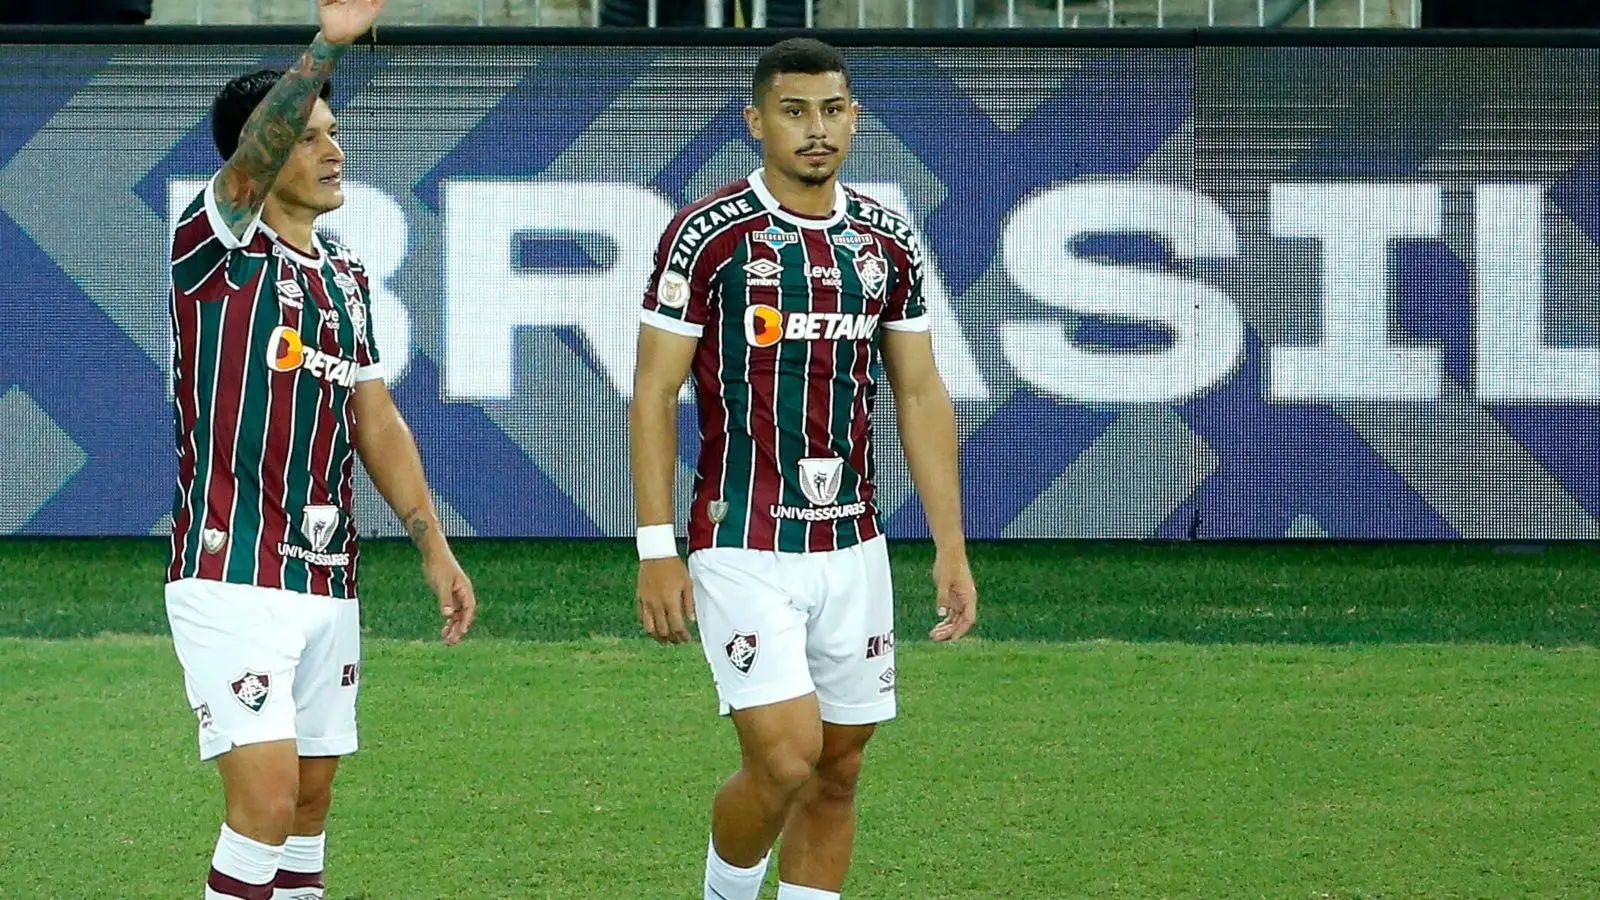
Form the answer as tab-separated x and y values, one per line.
776	626
262	664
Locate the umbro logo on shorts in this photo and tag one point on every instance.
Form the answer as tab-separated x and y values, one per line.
741	650
252	690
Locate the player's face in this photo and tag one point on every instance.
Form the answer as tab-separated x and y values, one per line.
804	123
310	179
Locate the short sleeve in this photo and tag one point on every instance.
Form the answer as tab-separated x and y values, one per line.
678	297
201	243
906	309
367	355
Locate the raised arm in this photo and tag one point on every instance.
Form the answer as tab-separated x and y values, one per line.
270	133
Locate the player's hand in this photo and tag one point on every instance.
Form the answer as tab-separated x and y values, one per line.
343	21
957	596
457	602
666	599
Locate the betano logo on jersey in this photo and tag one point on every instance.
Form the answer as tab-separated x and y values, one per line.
287	352
765	326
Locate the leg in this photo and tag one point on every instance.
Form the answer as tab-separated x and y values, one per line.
259	784
325	721
851	654
779	746
239	661
300	873
753	629
821	830
316	794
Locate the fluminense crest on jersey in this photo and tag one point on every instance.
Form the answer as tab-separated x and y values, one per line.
873	272
358	316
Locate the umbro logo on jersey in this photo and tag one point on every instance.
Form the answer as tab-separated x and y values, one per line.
763	273
290	293
765	326
286	352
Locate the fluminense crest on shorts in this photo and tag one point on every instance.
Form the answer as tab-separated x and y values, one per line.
742	649
252	690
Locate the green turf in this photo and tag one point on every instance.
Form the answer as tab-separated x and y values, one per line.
1307	722
506	769
1206	593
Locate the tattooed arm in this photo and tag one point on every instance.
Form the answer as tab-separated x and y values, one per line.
269	134
389	454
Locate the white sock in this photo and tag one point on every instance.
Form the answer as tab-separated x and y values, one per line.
242	869
300	871
725	881
787	891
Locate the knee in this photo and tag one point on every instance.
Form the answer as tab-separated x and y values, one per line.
312	801
787	768
836	777
266	808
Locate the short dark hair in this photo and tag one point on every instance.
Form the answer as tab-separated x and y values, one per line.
796	56
237	100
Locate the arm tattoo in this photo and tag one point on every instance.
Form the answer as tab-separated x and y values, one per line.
415	524
269	135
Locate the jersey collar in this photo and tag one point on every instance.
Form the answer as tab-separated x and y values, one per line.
289	250
758	183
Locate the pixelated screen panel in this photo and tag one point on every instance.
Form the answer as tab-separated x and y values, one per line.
1239	292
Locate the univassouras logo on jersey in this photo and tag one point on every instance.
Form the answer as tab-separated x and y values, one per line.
295	551
819	514
765	326
286	352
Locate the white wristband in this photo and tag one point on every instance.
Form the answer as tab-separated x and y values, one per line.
656	541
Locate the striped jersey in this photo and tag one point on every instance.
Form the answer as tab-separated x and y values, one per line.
269	341
787	310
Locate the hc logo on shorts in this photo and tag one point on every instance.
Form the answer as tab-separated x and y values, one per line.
741	650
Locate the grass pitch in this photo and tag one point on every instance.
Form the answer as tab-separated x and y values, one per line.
1134	721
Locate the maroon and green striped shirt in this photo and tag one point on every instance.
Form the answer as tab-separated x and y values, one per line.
269	342
787	310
